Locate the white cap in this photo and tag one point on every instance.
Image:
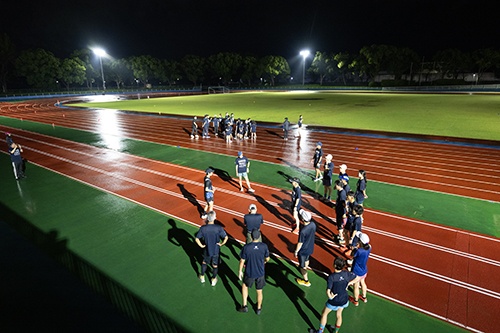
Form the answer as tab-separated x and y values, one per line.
306	216
364	238
329	157
343	167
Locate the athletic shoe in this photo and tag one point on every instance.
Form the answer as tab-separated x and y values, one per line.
192	136
320	177
251	190
202	278
207	136
303	282
316	179
296	231
243	309
258	311
356	303
329	199
341	241
363	298
214	282
312	330
349	261
241	189
204	216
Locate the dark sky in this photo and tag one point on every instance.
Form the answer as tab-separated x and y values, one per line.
173	28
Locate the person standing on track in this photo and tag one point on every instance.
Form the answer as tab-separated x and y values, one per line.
206	124
252	221
336	290
286	127
254	129
318	156
17	161
212	235
359	268
340	210
354	228
255	255
296	203
216	125
305	246
208	192
194	128
242	169
229	130
327	179
299	124
361	188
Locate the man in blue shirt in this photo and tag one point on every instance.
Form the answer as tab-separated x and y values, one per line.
17	161
242	169
317	158
216	125
206	124
211	234
208	192
340	210
296	203
255	255
336	290
194	128
286	127
252	221
305	246
328	174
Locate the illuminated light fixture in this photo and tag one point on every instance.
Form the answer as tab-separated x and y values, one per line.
304	54
101	53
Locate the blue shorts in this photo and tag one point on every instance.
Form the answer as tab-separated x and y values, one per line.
209	198
335	308
211	260
302	261
243	174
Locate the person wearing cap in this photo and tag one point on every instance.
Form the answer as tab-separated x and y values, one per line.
229	129
215	121
253	256
194	128
327	179
296	203
286	127
305	246
299	124
342	170
336	290
212	235
253	129
318	156
242	165
340	210
15	151
206	124
361	188
241	129
345	180
252	221
359	268
208	192
354	227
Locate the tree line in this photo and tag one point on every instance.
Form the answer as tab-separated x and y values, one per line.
42	70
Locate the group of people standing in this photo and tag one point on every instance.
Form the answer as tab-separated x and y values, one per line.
254	254
243	129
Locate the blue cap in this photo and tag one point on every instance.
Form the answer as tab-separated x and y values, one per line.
319	144
240	153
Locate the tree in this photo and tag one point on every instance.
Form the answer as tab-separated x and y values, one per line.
84	55
343	61
225	65
71	71
452	62
250	68
118	72
485	59
194	67
142	67
167	71
322	65
39	67
274	66
7	56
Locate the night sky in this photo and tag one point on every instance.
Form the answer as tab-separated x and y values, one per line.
170	29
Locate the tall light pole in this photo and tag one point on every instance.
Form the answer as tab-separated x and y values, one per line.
304	54
101	53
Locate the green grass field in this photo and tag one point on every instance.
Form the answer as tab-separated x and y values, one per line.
466	116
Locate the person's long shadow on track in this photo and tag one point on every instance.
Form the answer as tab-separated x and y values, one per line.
191	198
276	134
296	168
225	176
273	210
187	131
284	278
182	238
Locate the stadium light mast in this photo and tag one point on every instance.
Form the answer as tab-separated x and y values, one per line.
304	55
101	53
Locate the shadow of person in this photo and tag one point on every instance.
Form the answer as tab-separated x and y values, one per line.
187	131
303	187
242	225
182	238
191	198
276	134
228	276
225	176
271	209
296	168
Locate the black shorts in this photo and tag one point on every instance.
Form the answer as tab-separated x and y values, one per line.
259	282
211	260
298	206
302	261
327	181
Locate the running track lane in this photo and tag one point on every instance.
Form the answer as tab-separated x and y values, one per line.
422	165
438	270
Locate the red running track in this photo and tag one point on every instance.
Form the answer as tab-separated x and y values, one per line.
431	166
441	271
